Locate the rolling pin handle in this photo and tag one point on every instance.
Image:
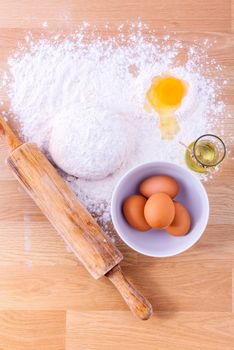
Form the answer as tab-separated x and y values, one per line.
137	303
12	139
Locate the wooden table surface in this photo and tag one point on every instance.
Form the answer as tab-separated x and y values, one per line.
47	300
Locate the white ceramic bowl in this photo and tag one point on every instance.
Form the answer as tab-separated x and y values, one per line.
158	243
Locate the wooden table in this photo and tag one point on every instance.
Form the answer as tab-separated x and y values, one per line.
47	300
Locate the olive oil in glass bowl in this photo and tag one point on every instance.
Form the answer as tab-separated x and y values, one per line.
205	152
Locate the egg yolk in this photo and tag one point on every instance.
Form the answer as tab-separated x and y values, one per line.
165	95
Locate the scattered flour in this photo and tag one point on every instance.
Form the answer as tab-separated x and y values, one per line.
81	99
45	24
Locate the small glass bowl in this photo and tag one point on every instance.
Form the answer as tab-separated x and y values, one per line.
218	145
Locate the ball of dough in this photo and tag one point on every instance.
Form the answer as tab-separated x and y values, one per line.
91	144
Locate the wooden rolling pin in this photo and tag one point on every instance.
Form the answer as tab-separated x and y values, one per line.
71	220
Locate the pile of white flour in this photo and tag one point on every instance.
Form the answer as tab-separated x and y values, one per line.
81	99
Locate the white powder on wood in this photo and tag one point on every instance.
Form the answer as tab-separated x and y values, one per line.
81	98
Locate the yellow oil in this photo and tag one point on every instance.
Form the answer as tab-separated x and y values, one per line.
206	153
165	96
191	161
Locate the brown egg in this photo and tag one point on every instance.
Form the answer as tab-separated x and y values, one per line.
159	210
180	226
133	210
159	183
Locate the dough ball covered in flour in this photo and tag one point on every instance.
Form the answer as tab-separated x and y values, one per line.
92	144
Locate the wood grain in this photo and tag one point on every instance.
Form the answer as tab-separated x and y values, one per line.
178	331
37	325
70	287
177	15
65	308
